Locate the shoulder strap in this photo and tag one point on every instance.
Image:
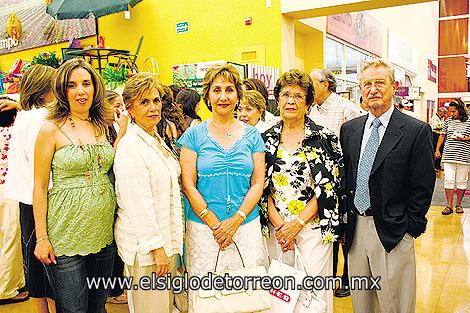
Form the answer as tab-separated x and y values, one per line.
64	133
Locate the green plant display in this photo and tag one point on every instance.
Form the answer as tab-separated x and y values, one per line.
114	76
46	58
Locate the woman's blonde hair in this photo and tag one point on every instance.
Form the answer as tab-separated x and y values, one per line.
99	110
35	84
229	73
137	85
255	99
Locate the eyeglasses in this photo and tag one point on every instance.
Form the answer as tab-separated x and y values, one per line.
296	96
379	84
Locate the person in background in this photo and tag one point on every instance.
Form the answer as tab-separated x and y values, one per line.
437	123
390	180
189	100
172	123
35	96
12	278
114	100
251	110
117	119
149	224
302	185
74	219
258	85
331	111
456	156
222	162
175	90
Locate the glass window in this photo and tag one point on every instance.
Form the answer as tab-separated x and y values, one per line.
334	56
354	60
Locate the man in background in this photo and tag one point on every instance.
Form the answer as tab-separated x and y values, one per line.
331	111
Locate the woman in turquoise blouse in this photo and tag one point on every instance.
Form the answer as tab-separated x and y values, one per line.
74	219
222	162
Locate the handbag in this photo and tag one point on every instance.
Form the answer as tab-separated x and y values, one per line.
181	299
231	300
284	300
308	301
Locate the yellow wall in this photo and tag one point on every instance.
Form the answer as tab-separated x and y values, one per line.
216	31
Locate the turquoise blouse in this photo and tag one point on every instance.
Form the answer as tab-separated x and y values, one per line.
223	176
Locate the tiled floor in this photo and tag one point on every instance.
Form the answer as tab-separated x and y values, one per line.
443	271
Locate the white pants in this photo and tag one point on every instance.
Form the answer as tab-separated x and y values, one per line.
11	265
149	301
455	174
318	257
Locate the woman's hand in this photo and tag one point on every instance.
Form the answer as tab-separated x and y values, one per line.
162	261
121	119
44	252
224	231
286	235
437	154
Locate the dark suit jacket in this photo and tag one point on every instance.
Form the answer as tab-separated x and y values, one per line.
402	179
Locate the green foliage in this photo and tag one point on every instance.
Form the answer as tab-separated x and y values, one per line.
46	58
114	76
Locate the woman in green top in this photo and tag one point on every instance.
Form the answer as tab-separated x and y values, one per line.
74	219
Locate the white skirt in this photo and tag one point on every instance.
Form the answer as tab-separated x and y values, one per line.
202	249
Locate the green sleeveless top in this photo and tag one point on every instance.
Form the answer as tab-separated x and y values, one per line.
81	202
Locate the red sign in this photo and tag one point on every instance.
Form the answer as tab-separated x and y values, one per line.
357	28
432	71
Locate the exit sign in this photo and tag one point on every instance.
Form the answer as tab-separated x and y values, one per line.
182	27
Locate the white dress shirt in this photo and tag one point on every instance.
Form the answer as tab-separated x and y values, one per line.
384	119
20	178
149	214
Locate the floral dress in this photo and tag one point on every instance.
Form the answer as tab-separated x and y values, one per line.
292	184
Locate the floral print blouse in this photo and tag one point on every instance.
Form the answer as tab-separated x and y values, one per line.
325	160
292	184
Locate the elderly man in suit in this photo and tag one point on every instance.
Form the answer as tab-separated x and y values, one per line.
389	179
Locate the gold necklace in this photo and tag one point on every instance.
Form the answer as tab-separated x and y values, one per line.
99	158
291	135
228	134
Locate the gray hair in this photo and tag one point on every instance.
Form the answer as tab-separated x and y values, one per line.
327	76
376	63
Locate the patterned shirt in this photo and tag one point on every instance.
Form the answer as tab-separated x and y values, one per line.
334	112
456	151
5	136
292	183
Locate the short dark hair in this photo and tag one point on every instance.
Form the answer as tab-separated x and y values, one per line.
461	107
189	99
296	77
